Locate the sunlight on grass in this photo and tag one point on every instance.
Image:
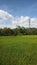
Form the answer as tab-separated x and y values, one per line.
18	50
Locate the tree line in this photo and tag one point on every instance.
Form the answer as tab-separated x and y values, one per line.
18	31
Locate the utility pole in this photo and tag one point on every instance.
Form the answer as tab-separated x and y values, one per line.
29	26
29	23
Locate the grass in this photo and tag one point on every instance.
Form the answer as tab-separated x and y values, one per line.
18	50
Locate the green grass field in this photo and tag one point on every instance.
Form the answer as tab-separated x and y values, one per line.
18	50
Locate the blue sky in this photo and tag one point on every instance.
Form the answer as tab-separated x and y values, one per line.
20	7
18	12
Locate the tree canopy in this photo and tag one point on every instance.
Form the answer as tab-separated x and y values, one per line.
18	31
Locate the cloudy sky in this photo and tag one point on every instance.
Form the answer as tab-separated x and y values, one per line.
17	13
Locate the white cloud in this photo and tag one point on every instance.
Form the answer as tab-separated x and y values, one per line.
5	15
19	21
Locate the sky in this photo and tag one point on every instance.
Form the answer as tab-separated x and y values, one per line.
18	12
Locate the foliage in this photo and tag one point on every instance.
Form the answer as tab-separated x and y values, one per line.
18	31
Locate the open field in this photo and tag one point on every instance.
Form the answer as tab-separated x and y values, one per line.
18	50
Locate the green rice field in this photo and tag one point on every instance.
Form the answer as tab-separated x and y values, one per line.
18	50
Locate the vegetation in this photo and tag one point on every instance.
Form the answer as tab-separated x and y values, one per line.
19	50
18	31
